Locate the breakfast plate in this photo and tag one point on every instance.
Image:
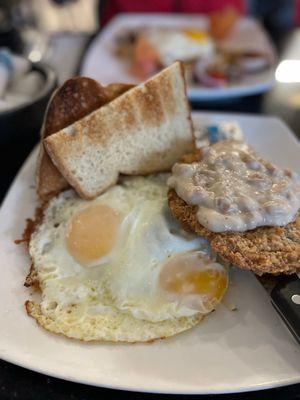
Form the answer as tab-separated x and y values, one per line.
102	64
240	348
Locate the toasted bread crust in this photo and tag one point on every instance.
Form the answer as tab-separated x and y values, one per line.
76	98
31	225
144	131
32	278
273	250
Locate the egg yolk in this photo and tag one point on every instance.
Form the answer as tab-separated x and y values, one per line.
92	233
198	36
193	273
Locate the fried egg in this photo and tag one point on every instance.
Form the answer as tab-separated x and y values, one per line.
120	267
183	45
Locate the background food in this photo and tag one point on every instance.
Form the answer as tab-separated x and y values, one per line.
215	56
222	22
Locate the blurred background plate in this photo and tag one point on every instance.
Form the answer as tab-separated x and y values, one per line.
102	64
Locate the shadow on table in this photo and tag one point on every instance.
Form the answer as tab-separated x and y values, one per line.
249	104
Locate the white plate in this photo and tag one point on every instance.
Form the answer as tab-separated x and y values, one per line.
101	64
247	349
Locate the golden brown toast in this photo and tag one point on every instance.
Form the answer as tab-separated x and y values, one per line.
143	131
76	98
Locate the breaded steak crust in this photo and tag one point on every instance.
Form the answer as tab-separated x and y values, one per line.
274	250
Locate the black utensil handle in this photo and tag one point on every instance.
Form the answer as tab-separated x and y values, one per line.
285	298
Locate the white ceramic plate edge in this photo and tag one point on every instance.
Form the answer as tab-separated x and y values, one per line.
27	361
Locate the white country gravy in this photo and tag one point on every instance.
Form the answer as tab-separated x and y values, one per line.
236	190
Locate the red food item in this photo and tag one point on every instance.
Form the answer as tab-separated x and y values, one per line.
210	76
217	75
145	59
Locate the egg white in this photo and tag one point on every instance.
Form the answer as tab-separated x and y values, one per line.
175	45
126	279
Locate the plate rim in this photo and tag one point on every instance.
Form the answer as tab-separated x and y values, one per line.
24	362
137	389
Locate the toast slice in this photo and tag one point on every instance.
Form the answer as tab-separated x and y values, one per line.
143	131
76	98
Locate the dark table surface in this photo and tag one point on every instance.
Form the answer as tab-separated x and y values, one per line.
18	383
